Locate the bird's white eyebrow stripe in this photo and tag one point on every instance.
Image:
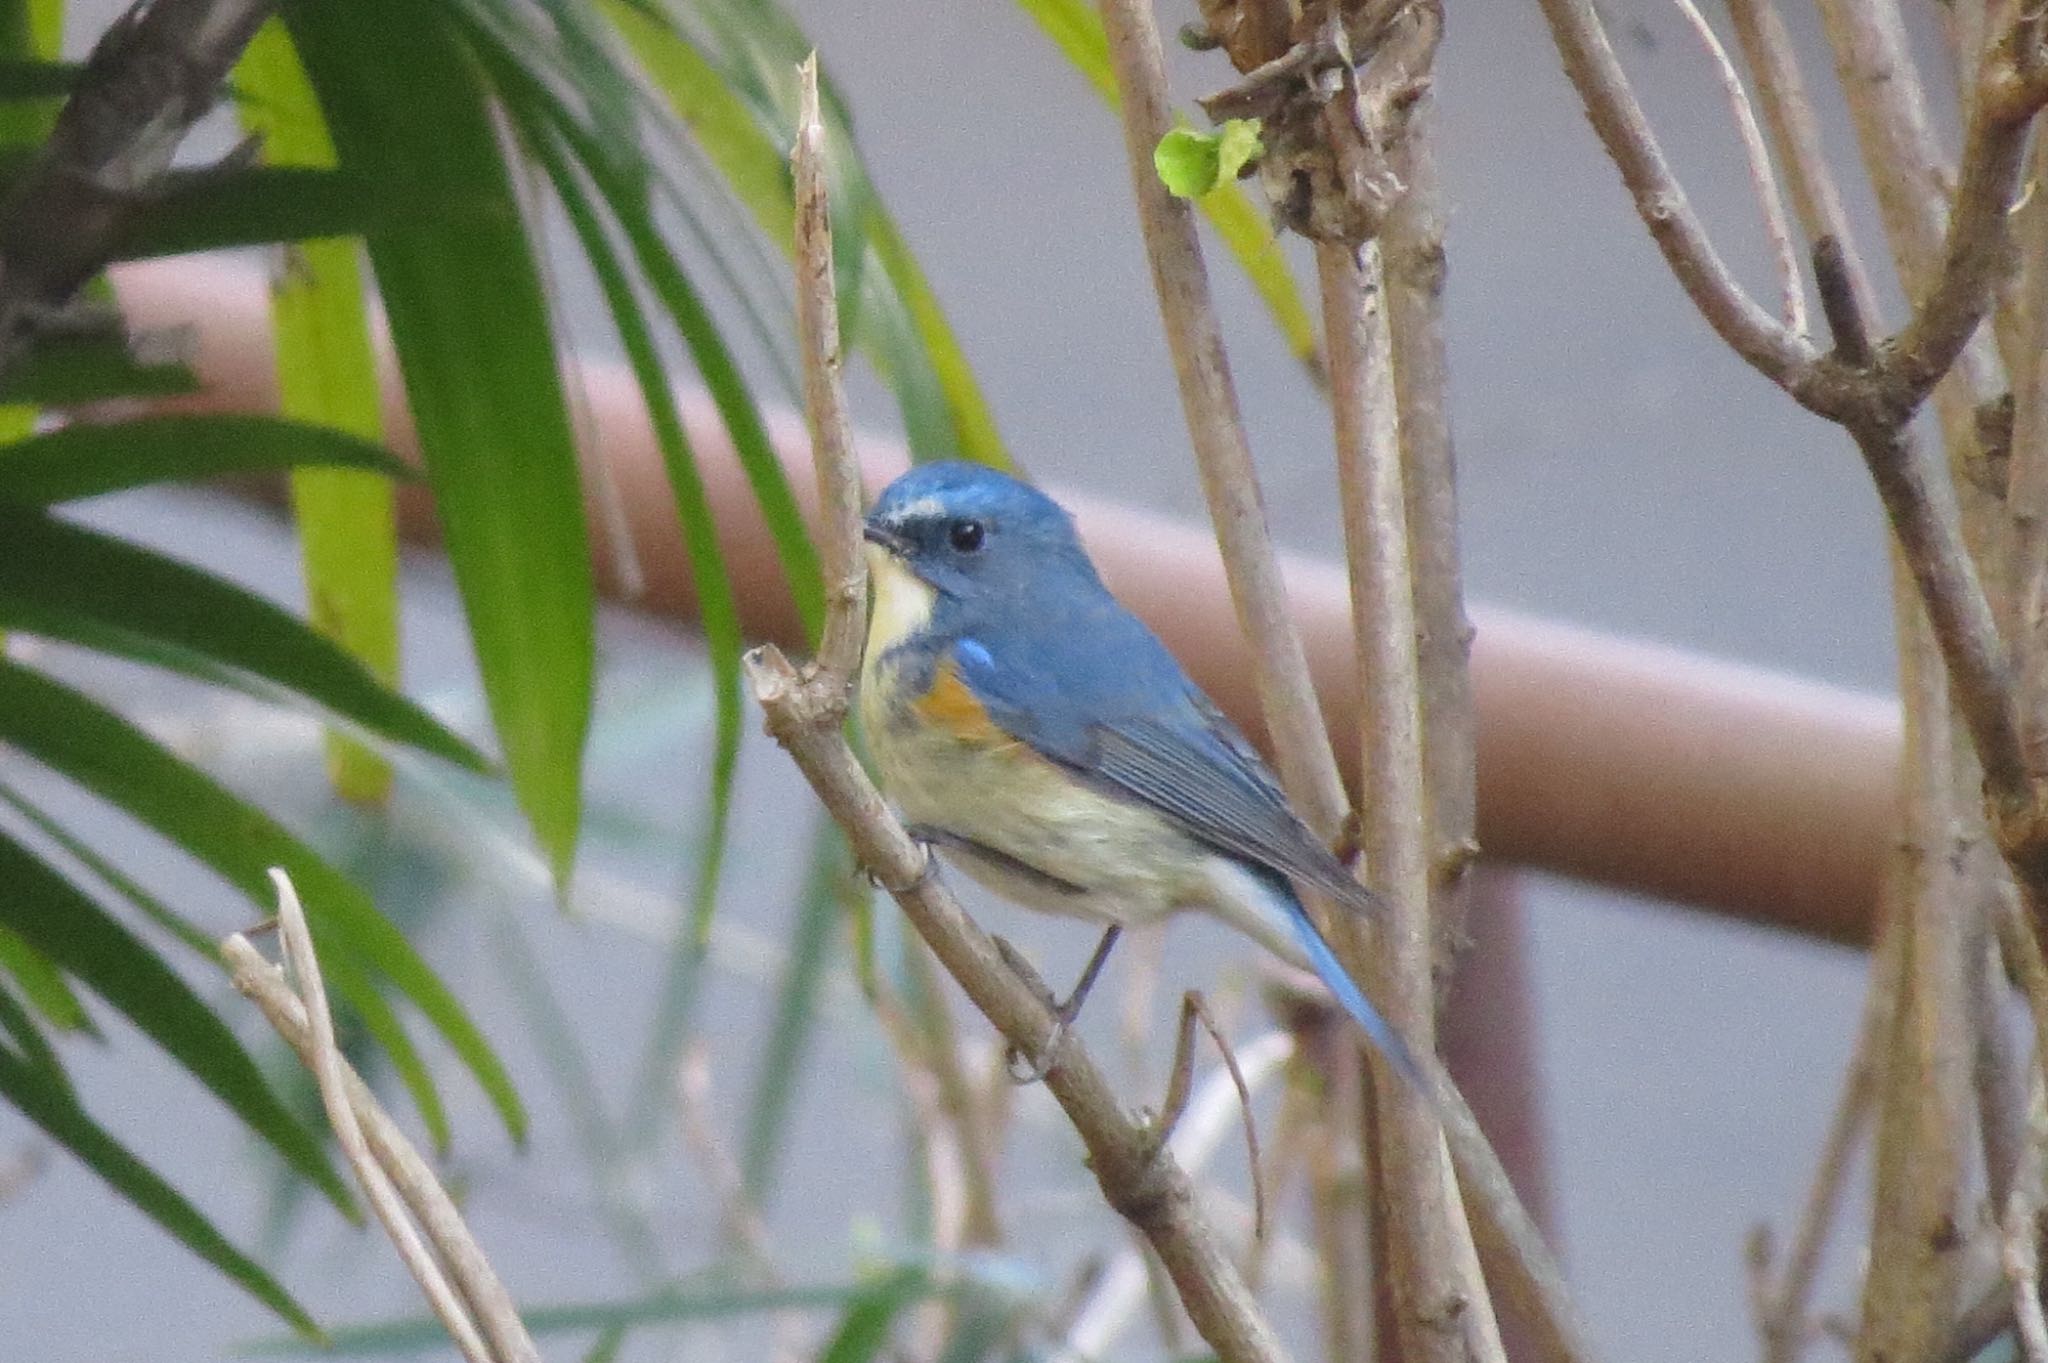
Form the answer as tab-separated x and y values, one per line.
919	509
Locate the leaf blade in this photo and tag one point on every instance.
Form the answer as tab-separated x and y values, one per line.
102	752
470	322
61	921
65	581
45	1099
89	460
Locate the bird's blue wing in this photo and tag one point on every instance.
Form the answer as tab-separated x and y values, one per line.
1091	688
1102	697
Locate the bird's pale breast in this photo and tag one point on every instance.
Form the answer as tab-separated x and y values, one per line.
948	767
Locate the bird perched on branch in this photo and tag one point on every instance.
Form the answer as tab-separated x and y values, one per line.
1038	734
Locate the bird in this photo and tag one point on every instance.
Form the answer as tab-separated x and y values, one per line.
1045	741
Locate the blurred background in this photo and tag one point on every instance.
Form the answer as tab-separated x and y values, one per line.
1619	468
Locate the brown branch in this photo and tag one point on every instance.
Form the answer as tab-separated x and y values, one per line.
1412	264
1618	120
477	1310
151	75
1443	1309
1783	1308
817	324
1978	254
1301	746
1909	1295
2027	487
1763	182
804	711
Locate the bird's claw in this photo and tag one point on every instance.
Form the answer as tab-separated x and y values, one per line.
925	871
1035	1068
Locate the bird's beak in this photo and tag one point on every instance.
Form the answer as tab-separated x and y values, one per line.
884	537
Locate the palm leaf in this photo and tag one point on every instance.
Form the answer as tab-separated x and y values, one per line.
42	1093
327	373
67	582
108	756
77	935
405	107
89	460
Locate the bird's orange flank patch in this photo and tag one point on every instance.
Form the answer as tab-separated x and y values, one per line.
951	706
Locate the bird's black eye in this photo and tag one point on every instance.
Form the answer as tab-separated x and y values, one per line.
966	536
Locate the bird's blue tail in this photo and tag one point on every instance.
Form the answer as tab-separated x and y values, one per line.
1377	1029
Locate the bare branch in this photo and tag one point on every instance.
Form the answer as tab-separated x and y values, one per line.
1909	1295
1412	265
1978	254
1661	203
1197	1138
1788	111
154	72
817	323
1762	181
1444	1312
384	1162
1784	1307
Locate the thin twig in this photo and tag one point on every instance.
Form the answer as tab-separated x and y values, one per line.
1763	182
817	323
739	1219
804	711
1444	1312
1618	119
477	1307
1180	1082
1197	1138
1788	111
1783	1308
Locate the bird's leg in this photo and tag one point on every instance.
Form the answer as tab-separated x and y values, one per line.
1063	1013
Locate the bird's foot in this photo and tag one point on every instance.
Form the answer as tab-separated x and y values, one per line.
928	868
1063	1014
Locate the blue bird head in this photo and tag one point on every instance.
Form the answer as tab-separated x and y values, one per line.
970	531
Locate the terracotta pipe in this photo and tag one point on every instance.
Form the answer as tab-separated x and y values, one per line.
1730	789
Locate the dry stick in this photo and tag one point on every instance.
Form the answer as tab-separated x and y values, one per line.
1788	112
840	501
1208	399
1412	265
1301	745
1762	182
1340	1208
1909	1294
805	711
973	1134
364	1128
1782	1308
1201	1133
1595	72
2027	486
1873	394
1444	1312
2000	1307
1138	1178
